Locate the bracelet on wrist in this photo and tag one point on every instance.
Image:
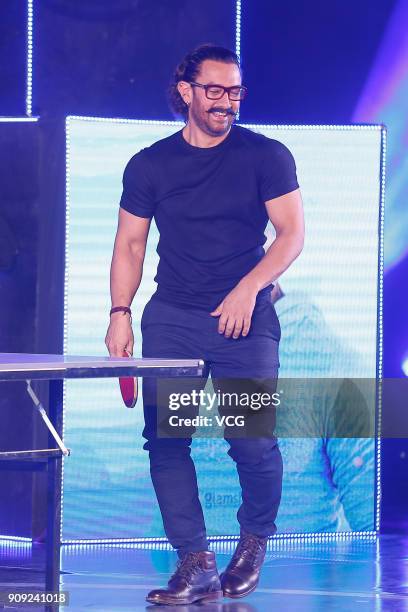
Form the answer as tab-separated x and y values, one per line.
124	309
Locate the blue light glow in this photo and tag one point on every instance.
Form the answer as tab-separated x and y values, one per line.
276	540
29	79
238	30
17	539
383	98
18	119
380	297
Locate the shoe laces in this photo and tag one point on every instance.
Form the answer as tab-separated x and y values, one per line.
249	547
187	565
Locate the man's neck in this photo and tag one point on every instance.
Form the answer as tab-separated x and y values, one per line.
197	138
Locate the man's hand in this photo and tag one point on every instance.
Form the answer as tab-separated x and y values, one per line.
235	311
119	336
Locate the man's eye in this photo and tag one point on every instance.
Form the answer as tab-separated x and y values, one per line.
215	90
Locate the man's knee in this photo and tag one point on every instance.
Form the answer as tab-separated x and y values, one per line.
163	449
252	450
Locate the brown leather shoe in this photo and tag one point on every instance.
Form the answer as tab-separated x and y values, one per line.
195	579
241	576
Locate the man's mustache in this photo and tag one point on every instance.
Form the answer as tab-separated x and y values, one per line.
218	109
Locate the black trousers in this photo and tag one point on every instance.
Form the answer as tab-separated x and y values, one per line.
247	364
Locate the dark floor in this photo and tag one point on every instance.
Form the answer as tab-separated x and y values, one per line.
306	576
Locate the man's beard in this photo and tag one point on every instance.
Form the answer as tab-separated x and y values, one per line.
210	126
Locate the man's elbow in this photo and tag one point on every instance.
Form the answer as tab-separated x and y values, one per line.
126	249
295	239
137	251
300	242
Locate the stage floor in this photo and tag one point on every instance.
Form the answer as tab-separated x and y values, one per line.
297	576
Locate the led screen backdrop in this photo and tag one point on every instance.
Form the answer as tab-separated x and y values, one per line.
328	318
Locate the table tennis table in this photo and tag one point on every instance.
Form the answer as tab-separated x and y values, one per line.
55	368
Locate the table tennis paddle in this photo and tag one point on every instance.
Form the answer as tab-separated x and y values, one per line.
128	387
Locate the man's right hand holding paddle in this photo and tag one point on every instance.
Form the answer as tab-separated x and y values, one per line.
119	336
125	277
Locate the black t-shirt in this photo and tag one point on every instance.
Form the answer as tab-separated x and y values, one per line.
209	208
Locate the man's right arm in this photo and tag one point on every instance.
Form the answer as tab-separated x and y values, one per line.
125	276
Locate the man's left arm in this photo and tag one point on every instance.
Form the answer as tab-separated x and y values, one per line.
286	215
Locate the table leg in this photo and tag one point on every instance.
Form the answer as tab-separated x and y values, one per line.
53	541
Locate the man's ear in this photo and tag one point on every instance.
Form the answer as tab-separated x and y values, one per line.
184	90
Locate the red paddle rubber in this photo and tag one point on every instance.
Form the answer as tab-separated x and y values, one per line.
128	387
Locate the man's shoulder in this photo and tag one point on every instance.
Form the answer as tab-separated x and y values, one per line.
164	145
255	140
146	155
249	136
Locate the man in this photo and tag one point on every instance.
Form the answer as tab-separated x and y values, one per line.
211	188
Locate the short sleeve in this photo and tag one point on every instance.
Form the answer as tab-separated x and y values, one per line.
138	194
277	171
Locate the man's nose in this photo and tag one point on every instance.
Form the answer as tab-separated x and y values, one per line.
225	98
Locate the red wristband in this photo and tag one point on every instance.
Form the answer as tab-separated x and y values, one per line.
123	309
